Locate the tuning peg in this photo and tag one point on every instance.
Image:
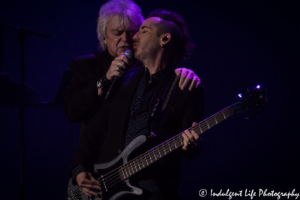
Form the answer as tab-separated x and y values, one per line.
259	112
249	117
240	96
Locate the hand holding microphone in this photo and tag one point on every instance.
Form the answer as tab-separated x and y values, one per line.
117	69
119	66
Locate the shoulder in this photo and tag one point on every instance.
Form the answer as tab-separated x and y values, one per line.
186	97
197	94
87	62
86	59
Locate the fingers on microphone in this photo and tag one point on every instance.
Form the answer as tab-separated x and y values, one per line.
123	59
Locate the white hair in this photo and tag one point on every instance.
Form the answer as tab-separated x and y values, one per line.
122	12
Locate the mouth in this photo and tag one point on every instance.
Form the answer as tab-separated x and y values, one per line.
125	47
134	45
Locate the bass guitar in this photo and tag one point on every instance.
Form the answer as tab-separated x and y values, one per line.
114	176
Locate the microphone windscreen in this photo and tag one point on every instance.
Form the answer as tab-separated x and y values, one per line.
128	54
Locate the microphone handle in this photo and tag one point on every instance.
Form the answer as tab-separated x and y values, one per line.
115	78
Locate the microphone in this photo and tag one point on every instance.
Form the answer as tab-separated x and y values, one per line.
128	54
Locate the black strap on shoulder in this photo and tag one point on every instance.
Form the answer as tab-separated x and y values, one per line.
170	92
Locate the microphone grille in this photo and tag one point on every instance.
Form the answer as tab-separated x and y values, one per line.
128	54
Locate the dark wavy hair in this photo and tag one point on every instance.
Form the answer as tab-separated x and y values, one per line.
174	24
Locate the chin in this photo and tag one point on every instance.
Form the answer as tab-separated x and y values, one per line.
136	55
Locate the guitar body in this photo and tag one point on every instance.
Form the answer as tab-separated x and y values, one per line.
116	177
120	189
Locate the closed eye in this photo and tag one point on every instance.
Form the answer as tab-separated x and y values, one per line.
131	33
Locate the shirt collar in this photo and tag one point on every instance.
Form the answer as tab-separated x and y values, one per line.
156	77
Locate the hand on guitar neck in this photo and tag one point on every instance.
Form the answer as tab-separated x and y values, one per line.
88	183
190	139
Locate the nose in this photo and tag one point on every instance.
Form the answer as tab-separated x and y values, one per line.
135	36
124	36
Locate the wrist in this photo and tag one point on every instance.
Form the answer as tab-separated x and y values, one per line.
103	83
75	172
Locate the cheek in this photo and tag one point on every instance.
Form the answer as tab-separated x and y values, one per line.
113	42
117	40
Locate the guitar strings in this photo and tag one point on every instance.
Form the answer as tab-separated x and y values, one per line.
177	140
116	180
112	177
163	145
111	182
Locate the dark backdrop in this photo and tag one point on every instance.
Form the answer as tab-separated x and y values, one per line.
239	44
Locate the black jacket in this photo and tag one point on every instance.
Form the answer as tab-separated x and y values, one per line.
82	101
104	136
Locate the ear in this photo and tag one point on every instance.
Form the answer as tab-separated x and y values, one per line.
165	39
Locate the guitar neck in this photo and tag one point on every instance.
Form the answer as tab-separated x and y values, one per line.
172	144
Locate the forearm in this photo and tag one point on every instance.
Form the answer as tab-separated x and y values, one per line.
91	141
79	105
75	171
193	113
81	100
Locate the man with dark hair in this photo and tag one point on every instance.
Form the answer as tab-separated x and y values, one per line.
92	74
147	104
181	47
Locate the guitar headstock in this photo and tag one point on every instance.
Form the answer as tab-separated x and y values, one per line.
252	101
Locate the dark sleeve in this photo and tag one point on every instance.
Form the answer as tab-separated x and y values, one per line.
91	141
81	101
193	113
75	171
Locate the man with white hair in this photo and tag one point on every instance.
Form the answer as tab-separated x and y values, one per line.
118	21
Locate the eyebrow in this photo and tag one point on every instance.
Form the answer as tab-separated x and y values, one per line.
143	27
118	30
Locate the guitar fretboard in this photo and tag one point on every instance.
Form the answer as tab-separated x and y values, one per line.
172	144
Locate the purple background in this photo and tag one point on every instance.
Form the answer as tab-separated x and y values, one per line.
239	44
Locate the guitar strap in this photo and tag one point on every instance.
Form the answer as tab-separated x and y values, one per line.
170	92
165	99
